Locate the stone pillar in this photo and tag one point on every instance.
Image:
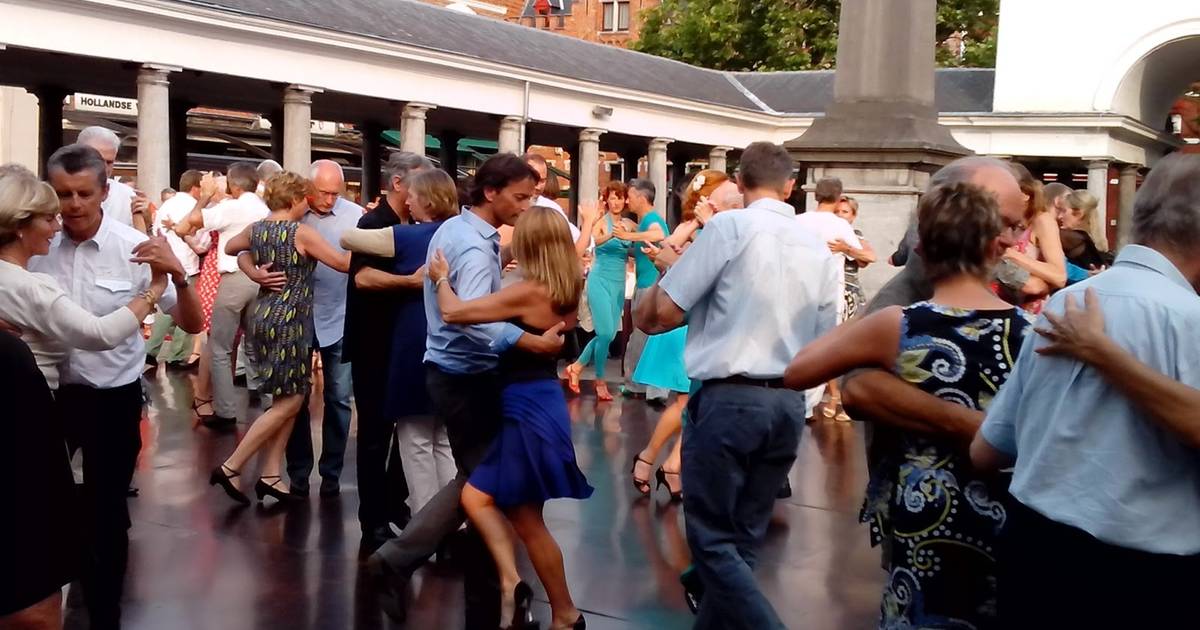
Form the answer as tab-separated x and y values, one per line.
1127	192
179	110
154	130
50	117
448	154
297	128
656	171
511	130
412	127
1097	184
588	156
371	150
718	159
881	135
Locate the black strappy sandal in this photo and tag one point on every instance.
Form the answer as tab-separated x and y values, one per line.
263	490
220	478
641	485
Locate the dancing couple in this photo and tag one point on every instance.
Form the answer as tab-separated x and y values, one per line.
491	376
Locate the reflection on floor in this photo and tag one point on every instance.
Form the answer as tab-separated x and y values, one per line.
199	563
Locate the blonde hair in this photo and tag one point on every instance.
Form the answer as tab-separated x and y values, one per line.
437	189
1087	203
284	189
703	184
22	197
542	243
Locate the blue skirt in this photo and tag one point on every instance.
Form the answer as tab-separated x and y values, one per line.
532	459
662	364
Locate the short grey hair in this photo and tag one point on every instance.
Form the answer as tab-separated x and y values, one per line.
644	186
964	169
319	164
1166	211
268	168
99	135
402	163
1052	191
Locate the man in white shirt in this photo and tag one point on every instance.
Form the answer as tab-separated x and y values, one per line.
234	305
103	265
754	288
123	203
174	210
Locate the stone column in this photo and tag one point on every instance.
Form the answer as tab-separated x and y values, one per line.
1097	184
154	130
448	154
656	171
297	128
589	164
718	159
50	117
412	127
1127	192
371	150
511	130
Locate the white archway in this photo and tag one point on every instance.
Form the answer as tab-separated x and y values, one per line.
1150	74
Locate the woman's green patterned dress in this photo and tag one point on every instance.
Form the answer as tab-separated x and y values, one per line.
283	321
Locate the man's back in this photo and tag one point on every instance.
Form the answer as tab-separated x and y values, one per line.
1086	456
758	288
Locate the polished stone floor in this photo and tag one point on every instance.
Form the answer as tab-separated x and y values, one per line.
199	563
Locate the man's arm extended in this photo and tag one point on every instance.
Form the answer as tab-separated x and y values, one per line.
886	398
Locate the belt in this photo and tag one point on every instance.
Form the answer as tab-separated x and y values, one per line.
769	383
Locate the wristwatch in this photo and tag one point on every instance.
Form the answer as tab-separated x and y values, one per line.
180	285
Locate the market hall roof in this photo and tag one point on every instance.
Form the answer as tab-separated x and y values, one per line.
435	28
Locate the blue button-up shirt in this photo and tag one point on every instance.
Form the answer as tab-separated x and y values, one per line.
757	288
1087	456
329	285
472	247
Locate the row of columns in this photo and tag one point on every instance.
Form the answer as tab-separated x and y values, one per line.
1097	185
162	128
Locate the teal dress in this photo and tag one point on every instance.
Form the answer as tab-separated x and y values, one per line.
606	297
661	364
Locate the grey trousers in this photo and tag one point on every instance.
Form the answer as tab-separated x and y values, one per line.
233	308
633	354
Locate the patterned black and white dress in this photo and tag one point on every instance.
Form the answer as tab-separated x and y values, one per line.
937	520
283	320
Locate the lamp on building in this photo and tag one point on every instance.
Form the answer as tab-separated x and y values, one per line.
542	7
600	111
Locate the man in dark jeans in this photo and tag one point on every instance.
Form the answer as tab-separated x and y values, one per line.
461	375
744	329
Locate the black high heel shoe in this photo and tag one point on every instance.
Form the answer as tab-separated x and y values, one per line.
641	485
661	476
522	617
580	624
219	478
263	490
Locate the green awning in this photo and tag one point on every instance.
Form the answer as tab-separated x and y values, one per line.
465	145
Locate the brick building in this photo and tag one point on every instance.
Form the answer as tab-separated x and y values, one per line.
612	22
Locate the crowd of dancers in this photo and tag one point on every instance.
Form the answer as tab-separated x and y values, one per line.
1021	470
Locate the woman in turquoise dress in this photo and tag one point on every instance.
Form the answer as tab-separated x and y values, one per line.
937	519
662	362
283	329
605	290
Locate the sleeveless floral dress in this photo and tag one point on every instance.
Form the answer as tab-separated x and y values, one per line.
937	520
283	321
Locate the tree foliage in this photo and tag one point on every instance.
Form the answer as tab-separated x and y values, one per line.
753	35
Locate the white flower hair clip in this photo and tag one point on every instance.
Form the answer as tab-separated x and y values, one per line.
698	183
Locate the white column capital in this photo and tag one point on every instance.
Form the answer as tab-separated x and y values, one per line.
660	144
719	151
591	135
512	120
417	110
299	94
1130	169
152	73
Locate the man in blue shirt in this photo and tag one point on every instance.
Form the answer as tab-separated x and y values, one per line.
1100	419
756	288
461	364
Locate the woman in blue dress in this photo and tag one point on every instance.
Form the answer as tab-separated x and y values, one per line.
532	459
937	519
422	441
605	289
662	363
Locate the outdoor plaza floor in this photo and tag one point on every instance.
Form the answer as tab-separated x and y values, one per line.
198	562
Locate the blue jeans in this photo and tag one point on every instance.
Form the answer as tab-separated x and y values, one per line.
738	446
334	427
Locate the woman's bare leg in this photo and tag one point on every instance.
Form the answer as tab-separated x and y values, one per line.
669	424
273	458
44	615
497	534
547	560
264	429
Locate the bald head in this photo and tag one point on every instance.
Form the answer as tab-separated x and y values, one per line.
992	175
329	182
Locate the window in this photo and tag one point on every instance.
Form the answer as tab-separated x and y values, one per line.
616	15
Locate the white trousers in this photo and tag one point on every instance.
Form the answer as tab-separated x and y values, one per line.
425	456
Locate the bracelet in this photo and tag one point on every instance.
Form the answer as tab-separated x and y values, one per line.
148	295
438	285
